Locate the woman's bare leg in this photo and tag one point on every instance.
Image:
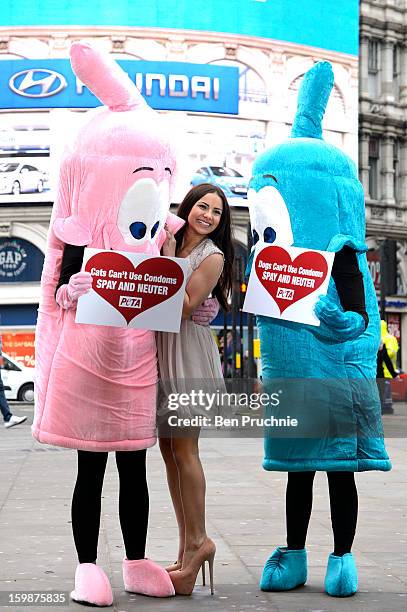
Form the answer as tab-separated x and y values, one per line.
192	486
174	487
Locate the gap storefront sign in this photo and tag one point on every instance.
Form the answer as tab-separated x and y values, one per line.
50	83
20	261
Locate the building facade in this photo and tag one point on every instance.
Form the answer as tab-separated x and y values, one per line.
383	153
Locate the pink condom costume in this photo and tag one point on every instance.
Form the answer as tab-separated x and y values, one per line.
95	386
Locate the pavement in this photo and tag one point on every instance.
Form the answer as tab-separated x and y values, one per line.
245	517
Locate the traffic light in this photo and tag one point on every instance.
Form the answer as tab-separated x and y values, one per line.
243	288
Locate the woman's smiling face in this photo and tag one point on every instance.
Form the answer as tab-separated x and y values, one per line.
205	215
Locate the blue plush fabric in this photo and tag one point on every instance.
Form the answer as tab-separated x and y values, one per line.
305	192
284	570
341	578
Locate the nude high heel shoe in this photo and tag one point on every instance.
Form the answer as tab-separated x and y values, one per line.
184	579
174	566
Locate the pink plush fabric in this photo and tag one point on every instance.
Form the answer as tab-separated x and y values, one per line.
147	578
95	386
92	585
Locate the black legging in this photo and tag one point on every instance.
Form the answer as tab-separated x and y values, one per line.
343	498
133	502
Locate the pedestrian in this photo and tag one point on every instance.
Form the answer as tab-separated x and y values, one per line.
392	349
384	361
10	420
190	360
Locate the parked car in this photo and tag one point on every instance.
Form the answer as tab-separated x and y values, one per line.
18	380
17	177
399	388
231	181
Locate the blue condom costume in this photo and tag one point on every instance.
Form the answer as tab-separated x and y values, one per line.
306	193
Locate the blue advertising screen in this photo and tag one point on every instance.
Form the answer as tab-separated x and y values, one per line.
319	23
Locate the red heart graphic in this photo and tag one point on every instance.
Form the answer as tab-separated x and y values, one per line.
126	298
276	271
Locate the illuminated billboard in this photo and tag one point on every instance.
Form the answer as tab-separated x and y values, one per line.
227	71
317	23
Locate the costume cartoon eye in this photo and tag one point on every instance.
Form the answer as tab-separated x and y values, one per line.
168	170
270	176
143	168
255	236
138	230
154	229
269	235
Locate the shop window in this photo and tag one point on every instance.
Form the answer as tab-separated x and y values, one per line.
251	86
374	147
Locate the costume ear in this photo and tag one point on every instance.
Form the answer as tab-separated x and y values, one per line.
71	231
313	98
104	77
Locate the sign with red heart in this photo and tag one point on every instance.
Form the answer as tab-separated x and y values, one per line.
289	279
133	290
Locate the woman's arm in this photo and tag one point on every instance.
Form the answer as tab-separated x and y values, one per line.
201	282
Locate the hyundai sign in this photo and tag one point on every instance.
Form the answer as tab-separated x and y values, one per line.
50	83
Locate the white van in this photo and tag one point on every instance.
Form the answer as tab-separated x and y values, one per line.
18	380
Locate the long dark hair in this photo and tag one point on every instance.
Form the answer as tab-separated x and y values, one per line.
221	236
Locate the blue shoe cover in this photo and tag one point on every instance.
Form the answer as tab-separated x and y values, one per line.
341	578
284	570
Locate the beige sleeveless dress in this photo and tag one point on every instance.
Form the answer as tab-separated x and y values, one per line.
189	361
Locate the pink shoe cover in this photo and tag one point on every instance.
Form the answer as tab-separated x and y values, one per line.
145	577
92	586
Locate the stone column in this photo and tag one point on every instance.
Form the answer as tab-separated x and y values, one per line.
364	161
387	169
402	263
387	86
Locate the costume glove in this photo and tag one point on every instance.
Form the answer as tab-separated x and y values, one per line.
79	284
337	324
206	312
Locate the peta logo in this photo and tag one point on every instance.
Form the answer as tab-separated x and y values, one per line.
37	83
285	294
127	301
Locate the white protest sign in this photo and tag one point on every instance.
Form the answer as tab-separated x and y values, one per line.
133	290
285	282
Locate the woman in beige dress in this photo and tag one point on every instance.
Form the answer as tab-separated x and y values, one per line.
190	361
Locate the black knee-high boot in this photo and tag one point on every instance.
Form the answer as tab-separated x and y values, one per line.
86	504
343	498
298	507
133	501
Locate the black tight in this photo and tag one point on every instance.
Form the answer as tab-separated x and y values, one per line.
133	502
344	508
